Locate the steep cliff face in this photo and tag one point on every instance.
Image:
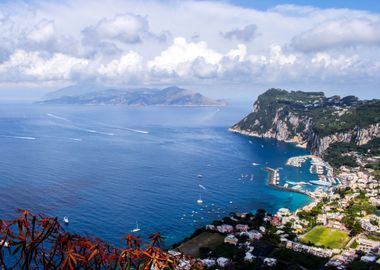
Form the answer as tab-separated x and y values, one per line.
318	145
311	120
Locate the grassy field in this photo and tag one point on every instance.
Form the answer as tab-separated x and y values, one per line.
323	236
205	239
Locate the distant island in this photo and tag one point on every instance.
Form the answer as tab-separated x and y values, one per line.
170	96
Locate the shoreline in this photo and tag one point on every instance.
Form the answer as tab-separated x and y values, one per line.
271	181
298	142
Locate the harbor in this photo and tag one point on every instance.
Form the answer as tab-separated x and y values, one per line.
317	166
274	181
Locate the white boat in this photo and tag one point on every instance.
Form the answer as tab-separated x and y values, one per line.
200	201
255	164
137	229
4	243
66	220
321	183
200	176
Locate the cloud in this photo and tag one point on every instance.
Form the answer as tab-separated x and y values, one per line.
30	66
247	33
127	28
44	31
128	66
178	58
148	42
339	33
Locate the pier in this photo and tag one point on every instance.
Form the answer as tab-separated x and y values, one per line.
272	181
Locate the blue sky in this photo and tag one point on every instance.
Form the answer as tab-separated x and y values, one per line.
226	48
370	5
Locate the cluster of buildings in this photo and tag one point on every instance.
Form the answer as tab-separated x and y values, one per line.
316	251
333	206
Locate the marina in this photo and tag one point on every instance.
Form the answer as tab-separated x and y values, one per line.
274	179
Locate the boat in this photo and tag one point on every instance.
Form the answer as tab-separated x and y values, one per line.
66	220
255	164
137	229
200	176
321	183
4	243
200	201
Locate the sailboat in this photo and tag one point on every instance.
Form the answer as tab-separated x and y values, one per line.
200	201
137	229
66	219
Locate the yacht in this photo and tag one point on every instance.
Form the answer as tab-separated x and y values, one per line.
137	229
200	201
66	220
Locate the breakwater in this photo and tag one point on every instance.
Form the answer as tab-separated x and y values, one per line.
272	181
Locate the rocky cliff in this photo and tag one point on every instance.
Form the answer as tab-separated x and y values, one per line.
311	119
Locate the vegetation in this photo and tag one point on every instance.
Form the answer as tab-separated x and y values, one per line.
317	114
343	154
326	237
357	208
39	242
299	258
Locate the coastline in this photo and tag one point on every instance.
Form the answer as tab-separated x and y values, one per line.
271	181
295	140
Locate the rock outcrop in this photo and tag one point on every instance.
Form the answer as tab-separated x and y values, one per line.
311	120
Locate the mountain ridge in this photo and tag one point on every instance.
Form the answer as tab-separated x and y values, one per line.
169	96
311	119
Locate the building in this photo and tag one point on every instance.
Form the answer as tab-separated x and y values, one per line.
367	245
231	239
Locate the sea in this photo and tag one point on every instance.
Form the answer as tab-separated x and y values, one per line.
112	168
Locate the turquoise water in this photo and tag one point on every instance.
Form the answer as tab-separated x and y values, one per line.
107	167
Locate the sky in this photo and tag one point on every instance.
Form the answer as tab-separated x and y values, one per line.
233	48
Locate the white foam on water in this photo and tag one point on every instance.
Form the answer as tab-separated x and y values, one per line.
58	117
137	130
20	137
201	186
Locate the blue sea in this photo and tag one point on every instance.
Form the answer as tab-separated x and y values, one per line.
108	167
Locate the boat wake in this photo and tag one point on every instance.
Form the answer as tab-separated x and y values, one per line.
133	130
94	131
58	117
20	137
202	186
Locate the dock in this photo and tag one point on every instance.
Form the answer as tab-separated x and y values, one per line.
272	181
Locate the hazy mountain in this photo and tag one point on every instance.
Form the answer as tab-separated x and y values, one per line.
171	96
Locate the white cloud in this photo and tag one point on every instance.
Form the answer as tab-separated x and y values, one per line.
339	33
126	28
44	31
180	41
130	64
178	58
34	66
247	33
